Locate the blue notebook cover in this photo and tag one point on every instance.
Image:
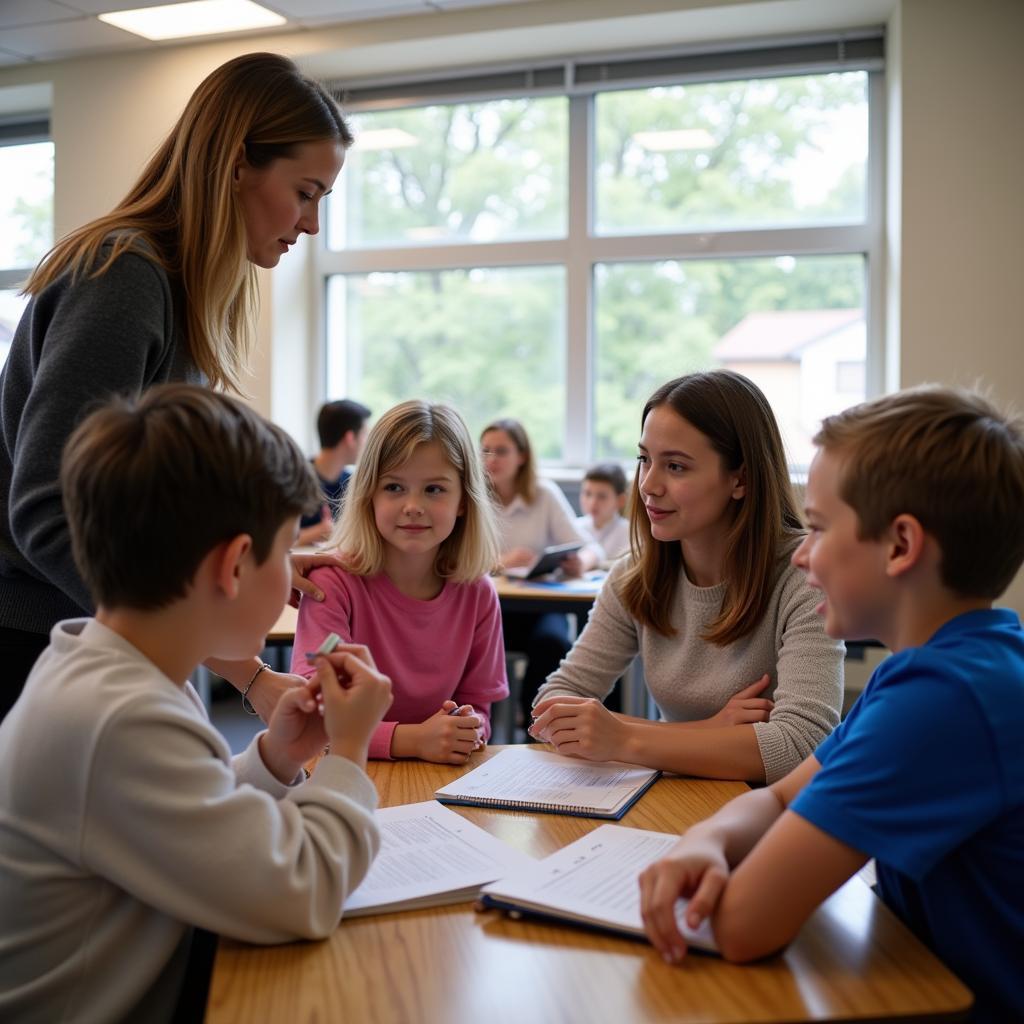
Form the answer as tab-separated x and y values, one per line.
516	768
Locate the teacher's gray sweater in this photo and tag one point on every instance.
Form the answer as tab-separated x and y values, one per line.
691	679
78	343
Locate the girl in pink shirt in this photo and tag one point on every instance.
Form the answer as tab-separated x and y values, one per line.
418	535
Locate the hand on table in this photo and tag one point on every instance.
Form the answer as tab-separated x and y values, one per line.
467	710
443	738
581	727
696	869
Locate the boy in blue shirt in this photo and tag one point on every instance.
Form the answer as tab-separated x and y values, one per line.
914	504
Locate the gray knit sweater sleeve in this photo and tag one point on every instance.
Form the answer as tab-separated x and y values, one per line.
604	650
808	678
692	680
77	344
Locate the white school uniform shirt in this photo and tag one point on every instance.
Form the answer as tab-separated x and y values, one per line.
547	520
612	538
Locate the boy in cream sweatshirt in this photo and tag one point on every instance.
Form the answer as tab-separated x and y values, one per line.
124	820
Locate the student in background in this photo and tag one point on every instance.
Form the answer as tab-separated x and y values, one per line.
915	529
341	427
125	819
417	538
745	678
533	514
602	499
159	289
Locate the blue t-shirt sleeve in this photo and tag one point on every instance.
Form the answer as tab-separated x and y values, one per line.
911	774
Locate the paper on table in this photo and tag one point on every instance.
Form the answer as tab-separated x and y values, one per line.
521	777
594	881
430	856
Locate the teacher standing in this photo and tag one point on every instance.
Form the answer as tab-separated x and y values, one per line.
162	288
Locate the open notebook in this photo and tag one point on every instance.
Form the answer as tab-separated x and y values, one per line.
430	856
527	779
593	882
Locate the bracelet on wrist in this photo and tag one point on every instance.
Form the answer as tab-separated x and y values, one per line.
246	703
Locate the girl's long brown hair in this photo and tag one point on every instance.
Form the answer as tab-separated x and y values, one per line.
732	412
183	212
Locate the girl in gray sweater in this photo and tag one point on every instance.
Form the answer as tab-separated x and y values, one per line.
733	648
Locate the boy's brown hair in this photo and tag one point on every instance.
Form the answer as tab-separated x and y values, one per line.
610	473
949	458
152	485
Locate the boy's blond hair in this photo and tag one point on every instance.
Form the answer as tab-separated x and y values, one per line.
471	550
949	458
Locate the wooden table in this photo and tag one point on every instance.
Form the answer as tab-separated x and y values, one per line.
854	960
283	632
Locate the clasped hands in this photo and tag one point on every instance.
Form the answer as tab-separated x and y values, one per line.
448	736
584	727
580	727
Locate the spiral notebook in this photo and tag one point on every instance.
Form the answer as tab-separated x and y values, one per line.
593	882
527	779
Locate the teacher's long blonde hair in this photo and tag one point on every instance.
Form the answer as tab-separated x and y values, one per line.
183	212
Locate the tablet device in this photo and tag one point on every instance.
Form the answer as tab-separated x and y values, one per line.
551	559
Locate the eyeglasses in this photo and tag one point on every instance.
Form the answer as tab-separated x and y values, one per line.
498	453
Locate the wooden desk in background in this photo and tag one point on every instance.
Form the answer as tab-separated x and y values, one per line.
283	632
513	595
854	960
575	597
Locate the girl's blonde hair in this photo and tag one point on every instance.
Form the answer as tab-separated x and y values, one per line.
183	212
732	412
526	475
471	550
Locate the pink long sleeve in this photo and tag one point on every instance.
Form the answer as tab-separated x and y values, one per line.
449	648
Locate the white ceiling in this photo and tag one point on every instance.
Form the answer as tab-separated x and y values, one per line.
40	30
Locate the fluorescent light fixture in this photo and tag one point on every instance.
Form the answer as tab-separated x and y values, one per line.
670	141
199	18
384	138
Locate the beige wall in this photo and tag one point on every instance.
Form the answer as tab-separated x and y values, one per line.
957	90
955	149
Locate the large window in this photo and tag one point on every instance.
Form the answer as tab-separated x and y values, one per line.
556	257
26	217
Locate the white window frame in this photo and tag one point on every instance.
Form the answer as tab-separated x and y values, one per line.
582	249
21	131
